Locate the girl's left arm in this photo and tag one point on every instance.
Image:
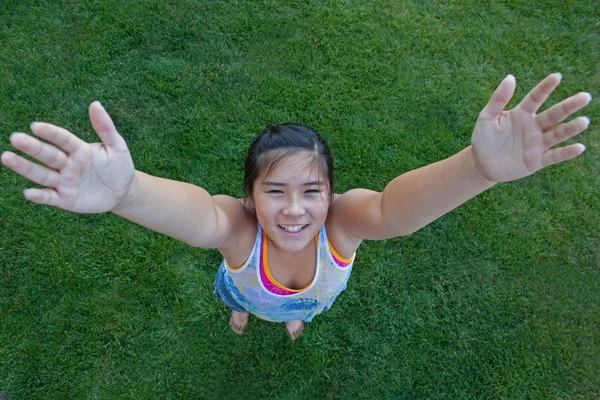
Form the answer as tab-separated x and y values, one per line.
506	145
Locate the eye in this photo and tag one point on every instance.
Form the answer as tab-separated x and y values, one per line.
313	191
275	191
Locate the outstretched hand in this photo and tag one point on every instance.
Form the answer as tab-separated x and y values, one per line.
509	145
79	176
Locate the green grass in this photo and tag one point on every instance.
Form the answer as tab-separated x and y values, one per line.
497	300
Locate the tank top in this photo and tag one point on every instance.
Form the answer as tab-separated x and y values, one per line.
253	287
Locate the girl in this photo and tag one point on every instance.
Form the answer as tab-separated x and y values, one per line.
289	245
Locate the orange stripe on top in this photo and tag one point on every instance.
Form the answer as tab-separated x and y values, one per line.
230	267
268	272
336	255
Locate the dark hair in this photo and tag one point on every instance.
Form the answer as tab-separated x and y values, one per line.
277	142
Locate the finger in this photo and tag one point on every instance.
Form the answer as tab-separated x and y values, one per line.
36	173
562	110
538	95
58	136
105	128
43	196
500	99
555	156
39	150
562	132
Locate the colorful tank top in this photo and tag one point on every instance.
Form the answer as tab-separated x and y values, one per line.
253	287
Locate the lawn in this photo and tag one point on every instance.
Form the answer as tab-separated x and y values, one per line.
497	300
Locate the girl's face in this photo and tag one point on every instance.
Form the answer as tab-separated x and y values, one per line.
291	202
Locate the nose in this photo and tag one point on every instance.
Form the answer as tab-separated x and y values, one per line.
293	208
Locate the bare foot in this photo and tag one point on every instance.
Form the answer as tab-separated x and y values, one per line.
238	321
294	328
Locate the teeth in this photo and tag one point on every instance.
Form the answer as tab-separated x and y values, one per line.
292	228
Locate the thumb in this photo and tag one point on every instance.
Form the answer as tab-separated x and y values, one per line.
105	128
500	99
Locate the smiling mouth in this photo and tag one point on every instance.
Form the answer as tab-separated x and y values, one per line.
292	228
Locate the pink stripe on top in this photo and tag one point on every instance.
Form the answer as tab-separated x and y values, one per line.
269	283
339	260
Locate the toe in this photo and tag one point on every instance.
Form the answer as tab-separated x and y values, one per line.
295	332
235	328
238	321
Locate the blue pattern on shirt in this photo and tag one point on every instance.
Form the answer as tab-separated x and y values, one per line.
301	304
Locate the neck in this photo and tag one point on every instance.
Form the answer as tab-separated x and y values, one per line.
284	255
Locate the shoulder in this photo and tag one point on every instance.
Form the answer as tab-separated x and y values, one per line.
231	212
239	227
346	209
357	215
229	204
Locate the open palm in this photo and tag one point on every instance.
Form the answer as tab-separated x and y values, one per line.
79	176
509	145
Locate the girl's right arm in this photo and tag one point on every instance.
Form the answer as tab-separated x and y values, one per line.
182	211
100	177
